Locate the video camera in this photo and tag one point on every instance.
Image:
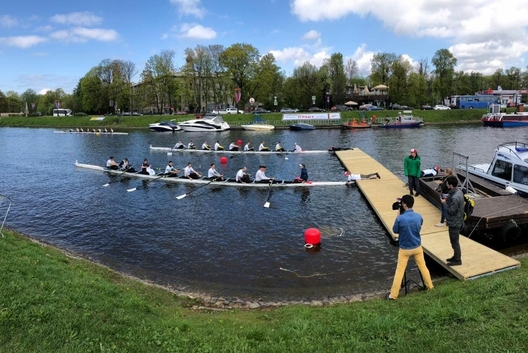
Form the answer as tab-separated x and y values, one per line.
398	205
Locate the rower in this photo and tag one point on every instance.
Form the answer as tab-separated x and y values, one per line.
212	174
233	146
263	148
242	176
297	148
247	147
279	148
190	173
111	164
171	171
191	145
260	176
205	146
218	146
179	146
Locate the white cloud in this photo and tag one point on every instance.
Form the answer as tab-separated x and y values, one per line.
8	21
22	41
480	31
311	35
298	56
189	7
77	18
363	59
81	35
196	31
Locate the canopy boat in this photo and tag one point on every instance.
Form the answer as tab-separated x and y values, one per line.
92	131
169	149
508	169
227	182
495	118
302	126
164	126
354	124
209	122
404	120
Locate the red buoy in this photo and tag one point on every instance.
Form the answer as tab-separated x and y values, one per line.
223	160
239	142
312	236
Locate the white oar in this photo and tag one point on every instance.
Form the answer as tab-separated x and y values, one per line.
148	182
115	179
267	204
201	186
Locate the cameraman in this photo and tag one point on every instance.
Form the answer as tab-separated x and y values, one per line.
408	225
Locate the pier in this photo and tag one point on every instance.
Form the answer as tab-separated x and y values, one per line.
477	259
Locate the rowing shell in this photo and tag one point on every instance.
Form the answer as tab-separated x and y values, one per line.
168	149
91	132
228	182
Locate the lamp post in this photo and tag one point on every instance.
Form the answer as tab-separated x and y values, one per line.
252	101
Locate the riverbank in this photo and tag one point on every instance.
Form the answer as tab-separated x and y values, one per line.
51	302
142	122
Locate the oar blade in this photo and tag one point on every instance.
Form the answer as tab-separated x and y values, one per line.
130	190
267	204
105	185
181	196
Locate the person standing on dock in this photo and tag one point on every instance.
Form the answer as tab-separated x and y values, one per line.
408	225
454	204
412	169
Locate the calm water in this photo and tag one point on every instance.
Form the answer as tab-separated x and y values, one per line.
221	241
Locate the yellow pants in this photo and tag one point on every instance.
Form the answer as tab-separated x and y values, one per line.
403	258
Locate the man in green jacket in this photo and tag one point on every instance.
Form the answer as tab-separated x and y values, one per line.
412	169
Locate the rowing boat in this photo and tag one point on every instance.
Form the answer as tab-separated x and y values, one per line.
91	132
227	182
168	149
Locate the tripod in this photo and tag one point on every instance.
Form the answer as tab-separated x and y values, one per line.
408	282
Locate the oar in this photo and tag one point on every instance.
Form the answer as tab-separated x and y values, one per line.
199	187
267	204
117	177
148	182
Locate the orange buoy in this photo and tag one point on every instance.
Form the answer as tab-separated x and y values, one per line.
223	160
312	236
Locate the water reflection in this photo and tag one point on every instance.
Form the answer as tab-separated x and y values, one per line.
221	240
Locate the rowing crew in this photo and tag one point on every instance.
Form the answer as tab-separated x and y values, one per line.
235	147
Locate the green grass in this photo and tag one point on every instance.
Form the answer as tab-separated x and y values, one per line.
430	116
53	303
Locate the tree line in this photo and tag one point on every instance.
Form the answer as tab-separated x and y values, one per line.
211	74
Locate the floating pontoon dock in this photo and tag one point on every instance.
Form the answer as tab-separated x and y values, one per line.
477	259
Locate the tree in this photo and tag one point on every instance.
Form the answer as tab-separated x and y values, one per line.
398	81
444	63
307	84
30	97
240	61
158	77
337	78
351	70
267	82
380	68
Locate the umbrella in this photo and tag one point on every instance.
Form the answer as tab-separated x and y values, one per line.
351	103
366	90
380	87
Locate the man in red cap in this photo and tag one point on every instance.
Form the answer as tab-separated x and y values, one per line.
413	171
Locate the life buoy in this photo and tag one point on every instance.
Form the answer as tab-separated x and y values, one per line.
510	231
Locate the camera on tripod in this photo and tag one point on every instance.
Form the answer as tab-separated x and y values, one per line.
398	205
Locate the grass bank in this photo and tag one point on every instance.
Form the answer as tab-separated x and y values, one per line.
53	303
430	116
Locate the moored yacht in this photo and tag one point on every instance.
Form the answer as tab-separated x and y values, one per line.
164	126
209	122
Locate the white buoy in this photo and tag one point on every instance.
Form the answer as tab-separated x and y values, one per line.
169	153
511	190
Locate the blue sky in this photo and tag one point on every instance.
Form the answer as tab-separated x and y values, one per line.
52	44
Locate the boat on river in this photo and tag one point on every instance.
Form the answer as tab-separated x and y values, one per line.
508	169
195	150
402	121
209	122
355	124
92	132
495	118
164	126
227	182
302	127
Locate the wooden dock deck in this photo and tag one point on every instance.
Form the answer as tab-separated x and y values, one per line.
477	259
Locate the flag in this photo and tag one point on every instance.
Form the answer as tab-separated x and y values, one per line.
238	95
57	104
27	110
32	105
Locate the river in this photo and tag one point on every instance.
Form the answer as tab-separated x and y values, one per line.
222	241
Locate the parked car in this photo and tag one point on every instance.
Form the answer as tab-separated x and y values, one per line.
261	111
441	107
136	114
231	110
396	106
340	108
369	107
315	109
426	107
289	110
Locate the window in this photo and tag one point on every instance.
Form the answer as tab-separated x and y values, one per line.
502	169
520	174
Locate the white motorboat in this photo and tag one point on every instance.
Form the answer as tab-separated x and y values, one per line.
164	126
508	169
209	122
258	127
227	182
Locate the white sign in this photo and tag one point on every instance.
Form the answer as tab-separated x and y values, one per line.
312	116
251	100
